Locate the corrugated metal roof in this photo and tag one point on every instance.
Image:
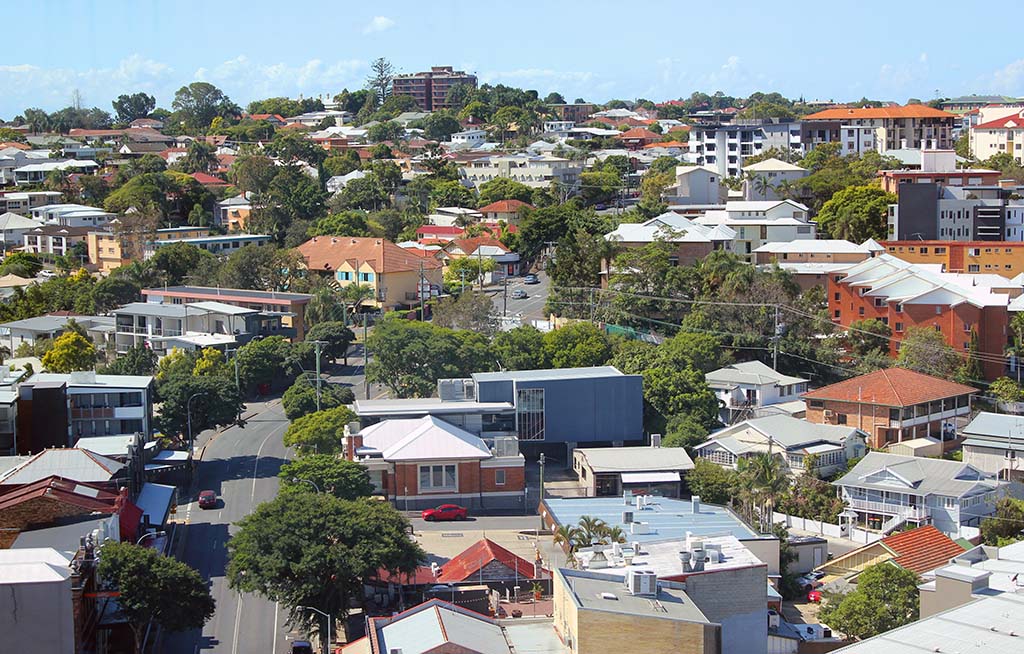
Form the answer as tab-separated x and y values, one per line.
70	463
636	459
918	476
541	375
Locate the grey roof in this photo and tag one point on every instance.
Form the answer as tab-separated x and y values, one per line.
636	459
38	323
210	291
425	406
436	623
751	372
786	431
550	374
587	590
69	463
996	430
156	309
63	537
11	220
107	445
92	380
990	625
221	307
918	476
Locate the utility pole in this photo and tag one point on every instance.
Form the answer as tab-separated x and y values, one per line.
504	306
775	339
366	360
317	345
591	305
541	486
423	316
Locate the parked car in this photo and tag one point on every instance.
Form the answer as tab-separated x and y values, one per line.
810	581
47	273
519	294
207	499
445	512
531	279
302	647
814	596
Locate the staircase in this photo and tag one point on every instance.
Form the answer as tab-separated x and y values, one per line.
892	524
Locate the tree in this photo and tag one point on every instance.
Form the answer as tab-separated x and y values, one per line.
313	549
300	398
452	194
886	597
1006	526
71	351
1005	389
137	360
684	431
503	188
342	164
379	80
409	357
868	336
261	361
216	401
811	498
199	158
440	125
711	482
521	348
319	432
155	588
925	350
336	338
176	261
467	271
857	213
469	310
346	480
200	102
134	106
366	193
578	345
22	264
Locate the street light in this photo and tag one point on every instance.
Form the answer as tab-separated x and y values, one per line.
296	480
188	420
152	534
330	633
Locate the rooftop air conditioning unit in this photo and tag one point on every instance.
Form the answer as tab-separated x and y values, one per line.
627	517
643	582
638	528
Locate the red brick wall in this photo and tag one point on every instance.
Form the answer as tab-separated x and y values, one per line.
406	479
515	479
469	477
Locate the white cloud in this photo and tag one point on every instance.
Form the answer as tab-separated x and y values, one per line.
1009	79
249	80
378	24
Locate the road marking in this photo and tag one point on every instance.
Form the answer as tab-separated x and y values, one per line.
277	605
238	625
256	466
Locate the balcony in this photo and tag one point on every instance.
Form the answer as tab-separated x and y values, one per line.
902	510
92	413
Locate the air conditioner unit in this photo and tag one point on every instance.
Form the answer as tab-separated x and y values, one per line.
829	413
627	517
643	582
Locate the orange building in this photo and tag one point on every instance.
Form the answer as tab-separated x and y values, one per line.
904	295
1004	258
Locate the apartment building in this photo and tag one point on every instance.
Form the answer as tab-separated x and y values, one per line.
221	244
53	239
855	140
904	295
289	307
537	171
937	167
1004	135
233	213
745	389
724	146
576	112
760	222
811	262
36	173
430	89
695	186
73	215
892	405
913	126
1004	258
398	278
191	326
24	202
933	211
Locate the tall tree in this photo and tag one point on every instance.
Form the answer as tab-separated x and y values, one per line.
131	107
925	350
346	480
200	102
319	432
71	351
857	213
379	81
886	597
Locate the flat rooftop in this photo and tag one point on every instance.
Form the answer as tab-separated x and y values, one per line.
662	557
213	292
666	518
539	375
590	592
425	405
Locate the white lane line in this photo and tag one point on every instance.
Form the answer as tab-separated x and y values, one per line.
238	625
256	467
277	606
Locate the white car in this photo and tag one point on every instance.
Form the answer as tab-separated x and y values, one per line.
47	273
810	581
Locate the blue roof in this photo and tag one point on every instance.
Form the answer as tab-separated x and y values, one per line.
665	517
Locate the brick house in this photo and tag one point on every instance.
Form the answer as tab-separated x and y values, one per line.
53	498
892	405
425	462
904	295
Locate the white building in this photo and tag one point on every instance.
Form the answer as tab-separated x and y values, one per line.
36	586
994	443
469	138
695	185
13	228
191	326
855	140
760	222
764	179
537	171
36	173
1003	135
743	389
73	215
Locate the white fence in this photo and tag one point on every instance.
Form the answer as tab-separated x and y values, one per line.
828	529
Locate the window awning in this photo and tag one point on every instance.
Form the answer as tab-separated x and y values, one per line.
648	477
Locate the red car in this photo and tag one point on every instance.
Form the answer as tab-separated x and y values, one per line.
207	499
445	512
814	596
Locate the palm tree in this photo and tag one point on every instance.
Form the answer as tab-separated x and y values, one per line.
761	185
590	529
615	534
767	476
785	189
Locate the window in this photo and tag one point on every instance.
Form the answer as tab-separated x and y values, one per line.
924	250
899	308
879	302
860	311
530	414
438	477
837	297
836	314
365	277
499	477
899	326
841	418
344	276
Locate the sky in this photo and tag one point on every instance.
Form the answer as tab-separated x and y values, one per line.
596	50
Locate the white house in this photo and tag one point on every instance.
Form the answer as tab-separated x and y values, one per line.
764	179
537	171
888	490
1004	135
792	438
748	387
994	443
760	222
73	215
469	138
695	185
13	228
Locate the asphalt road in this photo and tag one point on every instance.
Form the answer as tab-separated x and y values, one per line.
241	465
529	308
353	375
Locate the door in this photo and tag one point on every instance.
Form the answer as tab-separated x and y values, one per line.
818	557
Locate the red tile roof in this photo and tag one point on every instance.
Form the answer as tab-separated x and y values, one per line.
471	245
505	206
94	132
383	256
891	387
467	564
14	144
90	498
639	133
666	144
922	549
1013	121
437	230
909	111
208	180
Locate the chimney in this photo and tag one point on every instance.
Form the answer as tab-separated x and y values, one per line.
655	440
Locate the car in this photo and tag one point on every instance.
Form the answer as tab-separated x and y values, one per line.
207	499
47	273
445	512
814	596
519	294
302	647
531	279
810	581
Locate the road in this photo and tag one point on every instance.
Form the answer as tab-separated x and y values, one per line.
241	465
529	308
353	375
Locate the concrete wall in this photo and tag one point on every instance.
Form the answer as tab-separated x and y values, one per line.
37	618
737	600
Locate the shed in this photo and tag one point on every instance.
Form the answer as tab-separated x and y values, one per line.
926	446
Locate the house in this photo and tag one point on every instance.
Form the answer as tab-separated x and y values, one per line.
1004	258
32	330
36	173
695	185
552	411
577	112
613	470
290	308
1004	135
232	213
438	232
918	550
994	444
505	210
73	215
535	171
892	405
904	295
338	182
486	561
430	88
691	241
13	228
746	388
37	582
221	244
812	262
760	222
468	138
24	202
888	490
914	126
982	571
424	462
506	262
192	326
55	410
397	278
53	239
766	179
801	444
72	464
638	137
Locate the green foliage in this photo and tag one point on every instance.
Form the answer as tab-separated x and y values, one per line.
503	188
342	164
155	588
857	213
319	432
218	402
452	194
313	549
285	107
200	102
521	348
600	185
811	498
869	336
387	131
346	223
132	107
711	482
22	264
1007	164
300	398
925	350
684	431
1005	389
292	147
469	310
138	360
199	158
886	597
578	345
467	271
261	361
440	125
335	338
70	351
346	480
175	262
1007	525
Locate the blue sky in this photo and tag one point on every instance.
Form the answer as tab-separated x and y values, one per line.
596	50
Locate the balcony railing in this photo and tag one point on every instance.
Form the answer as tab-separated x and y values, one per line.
903	510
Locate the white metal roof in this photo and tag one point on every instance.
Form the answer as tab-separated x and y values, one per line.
423	439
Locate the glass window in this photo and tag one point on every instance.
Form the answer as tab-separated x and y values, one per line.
530	414
438	477
499	477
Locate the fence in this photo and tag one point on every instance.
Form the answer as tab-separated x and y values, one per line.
828	529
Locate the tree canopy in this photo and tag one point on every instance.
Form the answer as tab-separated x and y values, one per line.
319	432
327	473
886	597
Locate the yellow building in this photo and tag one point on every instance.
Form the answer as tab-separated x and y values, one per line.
397	277
1004	258
108	250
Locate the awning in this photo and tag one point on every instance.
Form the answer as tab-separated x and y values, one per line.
821	449
155	501
648	477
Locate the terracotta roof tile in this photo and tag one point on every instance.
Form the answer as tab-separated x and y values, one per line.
471	245
908	111
329	252
891	387
922	549
1013	121
639	133
666	144
467	564
505	206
